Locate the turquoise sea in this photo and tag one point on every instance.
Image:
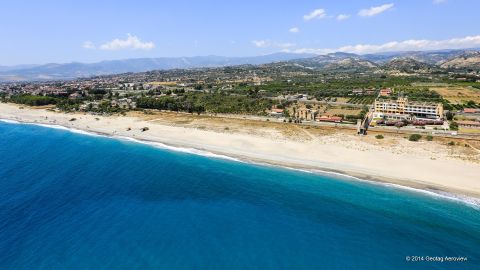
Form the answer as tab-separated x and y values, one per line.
76	201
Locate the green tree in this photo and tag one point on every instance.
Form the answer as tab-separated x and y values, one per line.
453	125
33	100
449	115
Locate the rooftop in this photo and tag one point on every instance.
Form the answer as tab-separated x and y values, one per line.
410	103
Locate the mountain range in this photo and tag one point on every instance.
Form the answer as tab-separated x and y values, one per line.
410	62
78	70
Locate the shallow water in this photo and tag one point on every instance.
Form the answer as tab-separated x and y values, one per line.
73	201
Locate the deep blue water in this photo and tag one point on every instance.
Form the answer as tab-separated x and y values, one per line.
71	201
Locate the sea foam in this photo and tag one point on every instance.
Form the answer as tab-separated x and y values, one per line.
178	149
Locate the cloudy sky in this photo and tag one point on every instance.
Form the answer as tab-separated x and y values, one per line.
36	32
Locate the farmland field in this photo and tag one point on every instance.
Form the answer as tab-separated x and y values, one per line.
337	110
458	94
362	100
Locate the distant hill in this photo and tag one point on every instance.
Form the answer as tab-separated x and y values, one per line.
468	60
350	64
429	57
337	62
7	68
407	65
409	62
77	70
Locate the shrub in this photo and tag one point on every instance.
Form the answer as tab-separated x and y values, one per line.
379	136
414	137
454	126
429	138
451	143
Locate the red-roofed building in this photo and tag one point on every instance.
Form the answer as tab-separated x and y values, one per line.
386	92
471	110
328	118
276	112
470	124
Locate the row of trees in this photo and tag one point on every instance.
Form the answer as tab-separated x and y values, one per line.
169	103
208	102
33	100
419	93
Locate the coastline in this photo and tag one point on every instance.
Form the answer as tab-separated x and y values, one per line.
270	151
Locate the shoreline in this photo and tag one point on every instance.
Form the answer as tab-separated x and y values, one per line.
414	187
434	188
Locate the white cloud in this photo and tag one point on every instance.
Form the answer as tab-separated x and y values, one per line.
439	1
131	42
406	45
269	44
88	45
294	30
260	43
375	10
343	17
316	14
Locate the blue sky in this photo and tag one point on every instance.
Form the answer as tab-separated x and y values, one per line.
87	31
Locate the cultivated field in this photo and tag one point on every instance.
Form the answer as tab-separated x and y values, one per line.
458	94
336	110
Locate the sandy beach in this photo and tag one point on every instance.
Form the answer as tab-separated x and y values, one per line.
427	165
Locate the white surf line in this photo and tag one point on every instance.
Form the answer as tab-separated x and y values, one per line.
469	201
466	200
177	149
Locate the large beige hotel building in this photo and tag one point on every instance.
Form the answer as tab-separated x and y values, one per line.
402	108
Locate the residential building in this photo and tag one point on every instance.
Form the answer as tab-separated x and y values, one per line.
386	92
358	91
370	92
75	96
275	112
124	103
